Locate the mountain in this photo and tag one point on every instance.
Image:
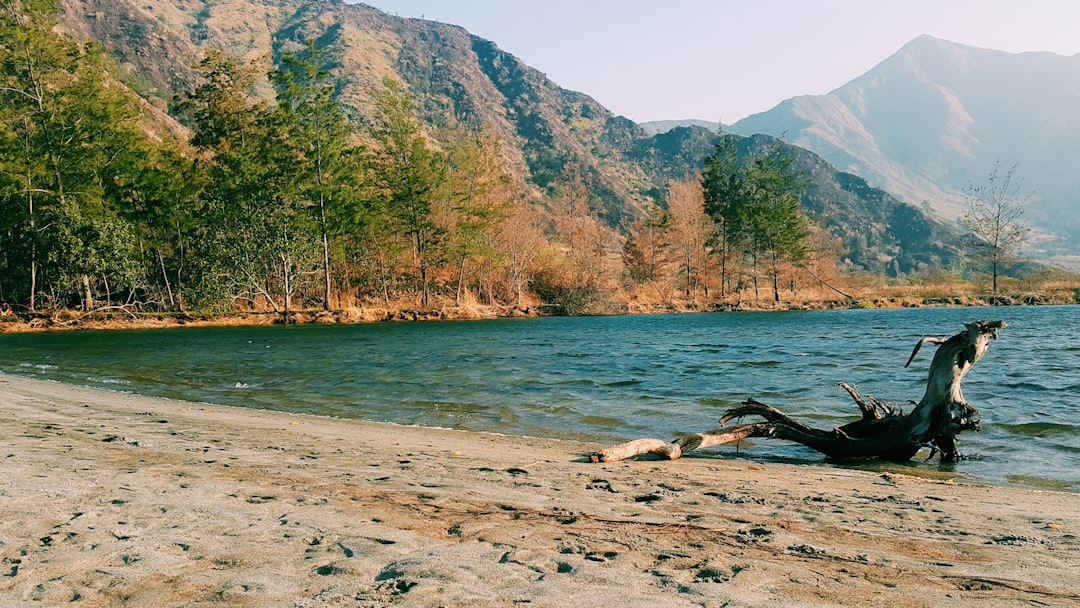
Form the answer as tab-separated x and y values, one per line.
655	127
547	133
933	118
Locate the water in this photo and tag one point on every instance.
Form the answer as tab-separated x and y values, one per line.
612	379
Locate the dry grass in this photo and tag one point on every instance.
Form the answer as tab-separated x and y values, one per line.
648	298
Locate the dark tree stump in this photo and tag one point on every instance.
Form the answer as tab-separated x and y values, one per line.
883	431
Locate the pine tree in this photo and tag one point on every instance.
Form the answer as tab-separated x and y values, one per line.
324	162
777	228
68	133
408	171
726	203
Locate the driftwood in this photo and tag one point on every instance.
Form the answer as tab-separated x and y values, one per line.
883	431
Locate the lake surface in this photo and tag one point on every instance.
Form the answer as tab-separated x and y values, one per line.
613	379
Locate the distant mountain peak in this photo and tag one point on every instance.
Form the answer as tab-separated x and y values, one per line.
931	119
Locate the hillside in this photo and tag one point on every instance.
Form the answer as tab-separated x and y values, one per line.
879	233
932	119
548	134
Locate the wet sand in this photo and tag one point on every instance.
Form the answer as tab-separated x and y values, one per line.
115	500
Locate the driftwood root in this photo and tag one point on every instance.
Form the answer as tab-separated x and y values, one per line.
883	431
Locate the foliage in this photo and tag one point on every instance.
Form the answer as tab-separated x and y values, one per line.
776	228
321	161
690	229
724	183
68	136
645	253
286	203
754	202
564	283
476	192
408	172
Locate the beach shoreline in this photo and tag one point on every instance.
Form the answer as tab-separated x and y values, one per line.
74	320
111	499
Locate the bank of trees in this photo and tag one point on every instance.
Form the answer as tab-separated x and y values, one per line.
269	205
738	222
287	203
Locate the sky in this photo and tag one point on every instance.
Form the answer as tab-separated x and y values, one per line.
722	60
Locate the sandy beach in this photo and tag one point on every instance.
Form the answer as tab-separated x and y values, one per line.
110	499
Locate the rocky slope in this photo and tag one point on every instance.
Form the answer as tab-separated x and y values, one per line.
547	133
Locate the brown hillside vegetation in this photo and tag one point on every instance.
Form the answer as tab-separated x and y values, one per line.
330	170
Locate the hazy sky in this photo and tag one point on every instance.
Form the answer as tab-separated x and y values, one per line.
725	59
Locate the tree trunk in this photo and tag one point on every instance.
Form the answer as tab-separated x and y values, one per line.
325	253
461	274
88	296
165	277
33	257
884	431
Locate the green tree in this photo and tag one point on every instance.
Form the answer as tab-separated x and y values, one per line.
994	217
724	188
324	161
477	189
85	251
163	199
407	173
257	241
68	132
225	119
777	228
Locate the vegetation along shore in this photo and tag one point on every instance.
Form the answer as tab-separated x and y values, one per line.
261	187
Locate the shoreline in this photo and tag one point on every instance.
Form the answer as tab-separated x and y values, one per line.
72	320
116	499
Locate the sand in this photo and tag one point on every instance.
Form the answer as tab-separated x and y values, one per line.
110	499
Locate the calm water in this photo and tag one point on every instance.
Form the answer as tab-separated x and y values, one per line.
611	378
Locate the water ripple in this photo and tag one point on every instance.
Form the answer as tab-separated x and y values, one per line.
606	378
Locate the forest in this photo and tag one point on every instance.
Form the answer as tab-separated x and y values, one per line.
231	201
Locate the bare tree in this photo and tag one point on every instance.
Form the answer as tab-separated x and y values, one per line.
518	243
994	217
690	229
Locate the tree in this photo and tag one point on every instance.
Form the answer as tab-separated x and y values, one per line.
994	217
477	191
572	273
777	228
84	250
408	172
725	201
689	229
257	241
162	199
645	251
68	133
573	214
323	161
519	242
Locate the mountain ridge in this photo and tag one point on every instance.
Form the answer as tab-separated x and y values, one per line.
548	134
931	120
